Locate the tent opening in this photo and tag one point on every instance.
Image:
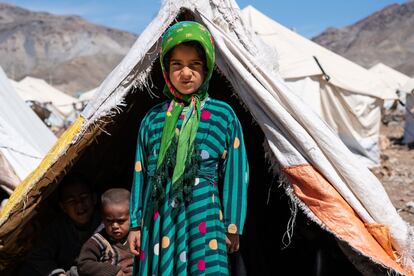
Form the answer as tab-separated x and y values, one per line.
108	162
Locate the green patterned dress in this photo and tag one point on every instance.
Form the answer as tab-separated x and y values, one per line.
192	241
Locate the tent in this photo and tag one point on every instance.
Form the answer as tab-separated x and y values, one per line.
328	188
88	95
34	89
391	77
347	96
24	139
408	90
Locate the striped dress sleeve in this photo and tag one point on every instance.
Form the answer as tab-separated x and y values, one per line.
138	185
235	179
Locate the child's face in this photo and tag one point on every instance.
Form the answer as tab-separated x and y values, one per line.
78	203
186	69
116	220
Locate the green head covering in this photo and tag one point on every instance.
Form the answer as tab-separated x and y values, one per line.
183	145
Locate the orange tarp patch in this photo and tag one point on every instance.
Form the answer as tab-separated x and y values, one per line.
382	234
335	213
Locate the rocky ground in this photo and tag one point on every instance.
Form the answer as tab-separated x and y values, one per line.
397	168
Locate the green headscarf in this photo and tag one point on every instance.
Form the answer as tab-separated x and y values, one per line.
178	33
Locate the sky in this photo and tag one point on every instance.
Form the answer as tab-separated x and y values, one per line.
308	18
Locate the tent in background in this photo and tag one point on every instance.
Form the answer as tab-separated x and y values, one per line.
34	89
330	189
408	90
347	96
88	95
24	138
391	77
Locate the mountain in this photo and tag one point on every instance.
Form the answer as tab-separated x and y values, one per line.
386	36
67	51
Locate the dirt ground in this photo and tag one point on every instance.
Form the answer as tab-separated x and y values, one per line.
397	168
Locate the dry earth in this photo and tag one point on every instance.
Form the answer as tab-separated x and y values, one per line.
397	168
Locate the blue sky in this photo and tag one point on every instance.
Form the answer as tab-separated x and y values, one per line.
308	18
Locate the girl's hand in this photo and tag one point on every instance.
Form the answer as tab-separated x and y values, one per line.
232	242
134	241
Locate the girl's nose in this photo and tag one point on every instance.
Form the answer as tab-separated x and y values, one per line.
186	72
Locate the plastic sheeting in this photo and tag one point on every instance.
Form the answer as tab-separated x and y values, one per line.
24	138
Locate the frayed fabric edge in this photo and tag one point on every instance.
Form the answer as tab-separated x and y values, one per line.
295	204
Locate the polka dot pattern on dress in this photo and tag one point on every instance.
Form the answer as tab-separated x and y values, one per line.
138	166
201	265
156	214
232	229
213	244
204	154
174	203
236	143
165	242
202	227
205	115
157	249
224	155
196	181
183	256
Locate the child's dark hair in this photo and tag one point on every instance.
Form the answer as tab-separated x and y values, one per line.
194	44
72	179
115	196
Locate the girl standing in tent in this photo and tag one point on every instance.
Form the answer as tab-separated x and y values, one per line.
188	201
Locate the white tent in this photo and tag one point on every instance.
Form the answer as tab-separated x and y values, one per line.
88	95
391	77
34	89
24	138
408	87
408	90
321	176
347	96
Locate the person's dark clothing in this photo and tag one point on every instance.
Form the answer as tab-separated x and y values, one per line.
102	256
58	247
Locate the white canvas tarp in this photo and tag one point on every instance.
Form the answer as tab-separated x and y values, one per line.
392	78
407	90
24	138
34	89
88	95
321	175
350	97
296	136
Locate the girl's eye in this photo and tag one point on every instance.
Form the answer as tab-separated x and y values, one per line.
196	65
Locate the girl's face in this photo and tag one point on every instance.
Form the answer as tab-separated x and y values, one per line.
186	69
